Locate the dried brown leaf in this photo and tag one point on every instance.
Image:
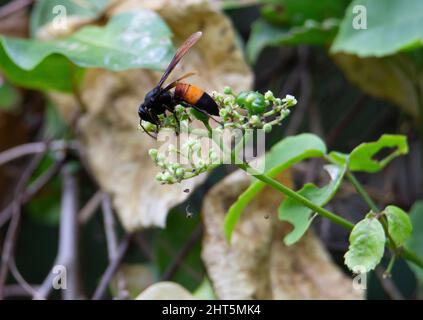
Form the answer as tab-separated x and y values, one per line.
257	265
116	151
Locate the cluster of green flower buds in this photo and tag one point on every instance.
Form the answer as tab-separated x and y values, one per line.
245	111
253	110
181	164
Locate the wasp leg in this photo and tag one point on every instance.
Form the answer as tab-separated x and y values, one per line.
201	111
178	122
143	128
156	121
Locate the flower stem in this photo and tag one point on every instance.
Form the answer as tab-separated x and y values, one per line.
406	254
374	207
296	196
362	192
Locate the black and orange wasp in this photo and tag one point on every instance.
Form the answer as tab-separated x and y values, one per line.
160	99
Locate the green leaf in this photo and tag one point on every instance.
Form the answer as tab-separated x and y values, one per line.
390	78
311	32
399	224
392	26
44	76
299	215
415	242
137	39
362	157
282	156
367	244
44	11
9	96
54	125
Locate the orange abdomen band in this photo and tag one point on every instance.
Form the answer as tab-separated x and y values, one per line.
188	93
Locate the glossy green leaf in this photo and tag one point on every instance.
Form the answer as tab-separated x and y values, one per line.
138	39
362	158
45	11
367	244
282	156
311	32
392	26
300	216
399	224
415	242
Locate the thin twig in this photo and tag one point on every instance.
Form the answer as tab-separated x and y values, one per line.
19	278
33	189
90	207
13	7
179	259
112	244
12	231
388	285
16	290
142	243
34	148
68	246
112	268
68	242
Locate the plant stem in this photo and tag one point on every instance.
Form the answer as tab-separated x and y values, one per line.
406	254
374	207
363	193
390	266
411	256
296	196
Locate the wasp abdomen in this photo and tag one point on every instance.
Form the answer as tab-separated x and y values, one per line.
197	97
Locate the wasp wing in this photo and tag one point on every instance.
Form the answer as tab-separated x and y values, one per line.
182	50
174	83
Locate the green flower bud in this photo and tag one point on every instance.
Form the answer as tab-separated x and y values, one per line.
285	113
228	101
167	177
223	113
153	154
267	127
254	120
227	90
269	95
148	126
289	100
179	108
254	102
161	158
179	173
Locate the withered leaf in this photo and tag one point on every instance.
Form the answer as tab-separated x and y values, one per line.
257	265
116	151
